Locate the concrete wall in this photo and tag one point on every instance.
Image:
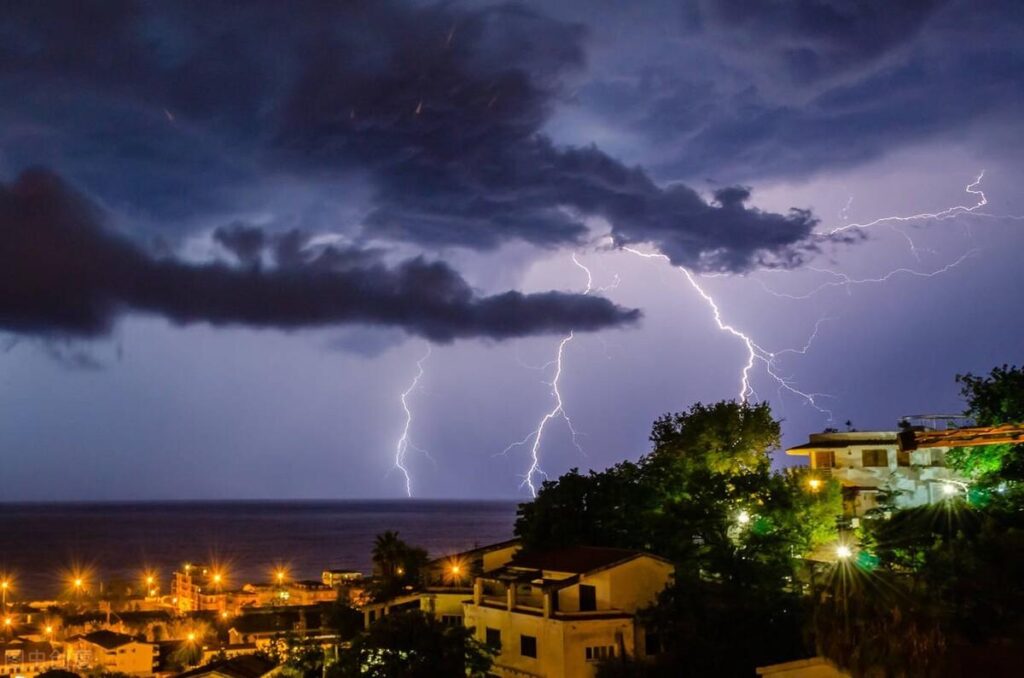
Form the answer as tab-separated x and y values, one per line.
561	645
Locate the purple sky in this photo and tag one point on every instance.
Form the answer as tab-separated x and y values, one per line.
230	233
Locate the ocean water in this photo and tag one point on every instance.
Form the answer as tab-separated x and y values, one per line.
41	543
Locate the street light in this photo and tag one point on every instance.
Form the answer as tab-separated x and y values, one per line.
843	552
743	517
815	484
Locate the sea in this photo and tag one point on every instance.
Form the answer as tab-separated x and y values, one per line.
42	544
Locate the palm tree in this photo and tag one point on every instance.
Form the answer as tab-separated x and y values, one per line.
388	553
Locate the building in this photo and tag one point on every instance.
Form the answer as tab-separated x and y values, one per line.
561	612
303	592
112	653
242	666
198	588
879	467
28	658
336	578
448	581
815	667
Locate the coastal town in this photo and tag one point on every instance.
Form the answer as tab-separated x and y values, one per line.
556	612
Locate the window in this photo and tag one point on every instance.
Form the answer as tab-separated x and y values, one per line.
599	652
451	619
528	646
823	459
493	638
875	458
588	598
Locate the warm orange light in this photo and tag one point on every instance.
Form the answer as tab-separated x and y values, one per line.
217	578
456	569
815	484
191	637
4	584
224	614
7	621
49	629
78	582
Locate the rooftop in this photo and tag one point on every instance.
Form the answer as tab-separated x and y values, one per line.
108	639
576	559
243	666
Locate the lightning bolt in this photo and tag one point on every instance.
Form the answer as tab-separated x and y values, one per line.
536	436
843	280
404	445
755	352
948	213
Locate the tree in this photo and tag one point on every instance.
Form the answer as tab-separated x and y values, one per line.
992	400
413	644
397	563
706	498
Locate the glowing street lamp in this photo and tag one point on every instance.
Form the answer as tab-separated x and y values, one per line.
815	484
4	585
743	518
843	552
949	489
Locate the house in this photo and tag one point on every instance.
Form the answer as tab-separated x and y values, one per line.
875	465
112	652
448	581
22	657
243	666
559	613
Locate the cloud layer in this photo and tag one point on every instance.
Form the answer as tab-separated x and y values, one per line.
64	275
439	110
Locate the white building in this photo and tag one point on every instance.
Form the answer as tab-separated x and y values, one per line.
870	464
559	613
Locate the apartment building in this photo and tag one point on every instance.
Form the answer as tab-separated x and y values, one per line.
560	613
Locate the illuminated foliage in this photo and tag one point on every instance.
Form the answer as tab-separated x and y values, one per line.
413	645
997	398
706	498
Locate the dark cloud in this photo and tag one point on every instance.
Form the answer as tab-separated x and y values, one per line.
66	276
245	242
813	39
789	89
441	109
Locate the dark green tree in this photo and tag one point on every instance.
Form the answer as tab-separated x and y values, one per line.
706	498
413	645
397	565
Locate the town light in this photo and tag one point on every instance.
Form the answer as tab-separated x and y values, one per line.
79	583
949	489
191	637
279	575
224	614
8	621
49	630
815	484
743	518
843	552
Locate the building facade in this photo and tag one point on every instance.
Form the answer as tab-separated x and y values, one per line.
198	588
112	653
878	468
562	612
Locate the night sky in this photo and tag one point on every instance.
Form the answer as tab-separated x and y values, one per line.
229	231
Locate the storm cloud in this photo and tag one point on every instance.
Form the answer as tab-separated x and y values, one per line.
439	109
65	275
